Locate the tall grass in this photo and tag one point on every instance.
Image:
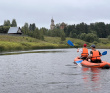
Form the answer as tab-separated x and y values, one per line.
13	46
13	43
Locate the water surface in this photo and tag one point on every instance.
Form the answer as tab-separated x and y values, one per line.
51	71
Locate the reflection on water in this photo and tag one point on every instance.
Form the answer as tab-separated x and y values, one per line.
91	77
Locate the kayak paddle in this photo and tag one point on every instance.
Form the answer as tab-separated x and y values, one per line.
70	43
79	61
104	53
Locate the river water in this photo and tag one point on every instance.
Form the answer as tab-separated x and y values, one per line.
51	71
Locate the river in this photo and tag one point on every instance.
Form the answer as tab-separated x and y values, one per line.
50	71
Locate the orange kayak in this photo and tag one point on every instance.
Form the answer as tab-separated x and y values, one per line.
104	64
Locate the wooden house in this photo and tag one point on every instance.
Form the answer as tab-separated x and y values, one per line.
15	30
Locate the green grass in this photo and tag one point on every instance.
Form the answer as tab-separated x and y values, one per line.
17	38
13	43
103	43
16	43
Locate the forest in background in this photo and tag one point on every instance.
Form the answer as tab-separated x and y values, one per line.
87	32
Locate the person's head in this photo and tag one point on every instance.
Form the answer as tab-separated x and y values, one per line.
85	45
92	46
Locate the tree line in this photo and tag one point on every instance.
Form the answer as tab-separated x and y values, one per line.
89	33
7	24
101	29
32	31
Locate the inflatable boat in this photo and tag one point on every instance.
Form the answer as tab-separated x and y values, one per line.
103	64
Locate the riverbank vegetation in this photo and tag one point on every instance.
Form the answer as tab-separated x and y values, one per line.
13	43
34	38
16	43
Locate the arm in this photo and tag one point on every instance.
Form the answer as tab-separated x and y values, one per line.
100	53
78	50
90	54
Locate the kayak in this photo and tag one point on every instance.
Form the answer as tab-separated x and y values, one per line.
103	64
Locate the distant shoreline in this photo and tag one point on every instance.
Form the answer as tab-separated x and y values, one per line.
23	43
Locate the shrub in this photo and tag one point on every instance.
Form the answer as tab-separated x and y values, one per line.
90	37
95	42
109	37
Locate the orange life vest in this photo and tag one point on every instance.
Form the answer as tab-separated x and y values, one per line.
85	52
95	55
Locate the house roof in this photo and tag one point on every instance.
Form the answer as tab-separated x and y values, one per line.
13	30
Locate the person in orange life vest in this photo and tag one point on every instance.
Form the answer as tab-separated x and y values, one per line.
84	52
94	55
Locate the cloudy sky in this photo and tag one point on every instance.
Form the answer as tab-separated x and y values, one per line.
40	12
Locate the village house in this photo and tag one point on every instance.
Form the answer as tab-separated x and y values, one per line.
15	30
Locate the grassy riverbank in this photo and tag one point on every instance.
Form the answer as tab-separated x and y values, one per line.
15	43
103	43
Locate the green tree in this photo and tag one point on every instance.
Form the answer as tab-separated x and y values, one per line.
92	27
82	28
4	29
82	36
7	23
14	23
100	29
73	35
55	32
49	33
38	34
90	37
68	29
32	27
25	28
108	29
63	36
44	30
57	26
94	32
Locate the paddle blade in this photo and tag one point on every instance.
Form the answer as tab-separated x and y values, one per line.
79	61
70	43
104	53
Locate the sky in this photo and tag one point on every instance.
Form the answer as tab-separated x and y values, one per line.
41	12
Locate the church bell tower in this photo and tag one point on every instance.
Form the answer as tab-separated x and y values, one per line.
52	26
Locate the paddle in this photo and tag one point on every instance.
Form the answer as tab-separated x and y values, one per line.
104	53
70	43
79	61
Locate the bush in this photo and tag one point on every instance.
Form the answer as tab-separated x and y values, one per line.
82	36
2	48
90	37
95	42
73	35
109	37
63	36
4	29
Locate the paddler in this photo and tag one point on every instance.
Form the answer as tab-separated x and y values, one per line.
94	55
84	52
